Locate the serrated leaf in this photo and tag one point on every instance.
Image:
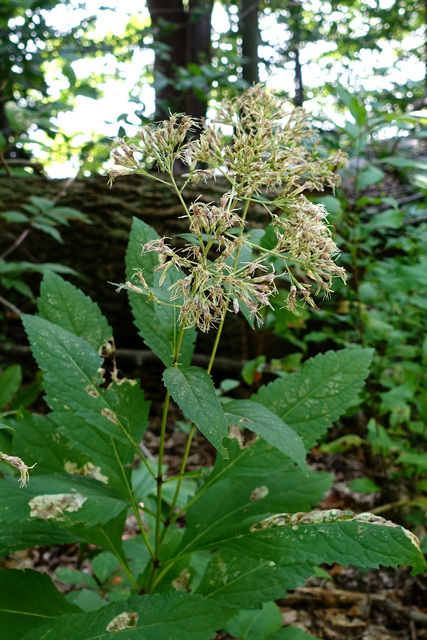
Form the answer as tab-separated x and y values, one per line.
157	324
178	615
331	536
73	377
27	600
255	480
106	424
250	415
310	399
87	509
193	391
63	304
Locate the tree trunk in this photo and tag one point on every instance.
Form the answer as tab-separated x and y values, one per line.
250	34
295	11
181	38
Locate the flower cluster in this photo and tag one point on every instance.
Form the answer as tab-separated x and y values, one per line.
271	150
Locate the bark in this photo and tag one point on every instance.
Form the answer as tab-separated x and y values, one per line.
181	37
296	17
250	34
97	251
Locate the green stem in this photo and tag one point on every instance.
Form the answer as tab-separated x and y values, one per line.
208	370
159	478
133	501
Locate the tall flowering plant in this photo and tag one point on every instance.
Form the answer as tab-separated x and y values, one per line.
212	546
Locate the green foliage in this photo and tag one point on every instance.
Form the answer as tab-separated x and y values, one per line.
251	529
383	235
41	214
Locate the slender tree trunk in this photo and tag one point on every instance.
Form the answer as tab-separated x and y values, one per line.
250	34
296	10
181	37
299	88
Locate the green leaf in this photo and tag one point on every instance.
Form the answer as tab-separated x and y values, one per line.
86	600
369	176
47	228
77	578
157	324
107	424
177	615
390	219
36	439
255	624
98	504
14	216
405	163
230	581
27	600
357	108
288	547
42	204
63	304
73	377
365	540
193	391
19	534
250	415
256	481
10	381
310	399
364	485
89	510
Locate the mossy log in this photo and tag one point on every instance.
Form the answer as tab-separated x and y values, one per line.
97	250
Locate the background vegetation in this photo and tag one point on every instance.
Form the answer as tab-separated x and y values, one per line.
359	68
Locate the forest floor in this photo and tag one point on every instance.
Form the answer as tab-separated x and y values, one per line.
343	604
346	604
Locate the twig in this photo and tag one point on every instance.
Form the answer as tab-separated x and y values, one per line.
11	306
16	244
6	166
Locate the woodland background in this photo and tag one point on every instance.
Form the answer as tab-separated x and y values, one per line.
360	69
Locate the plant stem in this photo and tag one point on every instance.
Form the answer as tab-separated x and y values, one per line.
208	370
159	478
133	501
